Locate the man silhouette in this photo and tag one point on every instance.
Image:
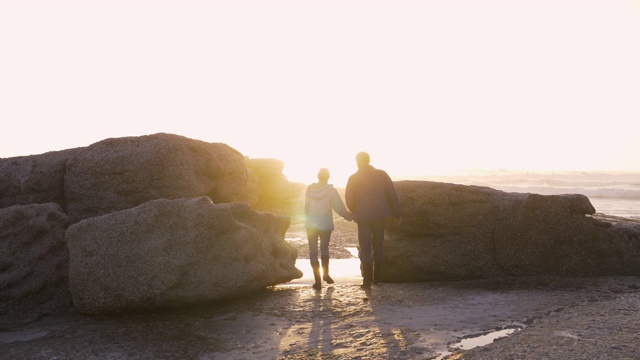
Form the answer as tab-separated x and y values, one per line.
371	197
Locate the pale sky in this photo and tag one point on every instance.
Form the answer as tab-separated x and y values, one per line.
426	87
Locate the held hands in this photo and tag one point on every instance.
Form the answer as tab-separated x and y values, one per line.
396	221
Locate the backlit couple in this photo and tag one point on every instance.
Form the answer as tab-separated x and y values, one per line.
371	198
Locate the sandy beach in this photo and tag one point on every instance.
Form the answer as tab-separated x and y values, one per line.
537	318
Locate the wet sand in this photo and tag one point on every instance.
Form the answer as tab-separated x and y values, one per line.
568	318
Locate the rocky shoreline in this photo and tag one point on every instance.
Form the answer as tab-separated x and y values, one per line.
551	317
161	246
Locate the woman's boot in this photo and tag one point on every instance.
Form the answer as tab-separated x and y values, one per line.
315	265
325	270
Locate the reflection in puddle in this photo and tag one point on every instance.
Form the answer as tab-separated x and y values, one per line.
338	267
343	271
483	339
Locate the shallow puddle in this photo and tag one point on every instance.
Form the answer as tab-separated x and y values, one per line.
343	271
473	341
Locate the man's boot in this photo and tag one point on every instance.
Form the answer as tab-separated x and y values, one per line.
315	265
325	270
366	275
377	273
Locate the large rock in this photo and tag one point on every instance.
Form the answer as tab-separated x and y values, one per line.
35	179
120	173
33	263
168	253
271	190
453	232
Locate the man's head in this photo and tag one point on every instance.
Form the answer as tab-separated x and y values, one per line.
362	159
323	175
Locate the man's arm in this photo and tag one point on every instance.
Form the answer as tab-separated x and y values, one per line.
392	198
349	196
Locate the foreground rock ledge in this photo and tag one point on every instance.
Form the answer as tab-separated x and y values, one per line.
170	253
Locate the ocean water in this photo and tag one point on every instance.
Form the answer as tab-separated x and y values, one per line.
616	194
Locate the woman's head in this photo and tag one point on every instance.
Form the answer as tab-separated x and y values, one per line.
323	175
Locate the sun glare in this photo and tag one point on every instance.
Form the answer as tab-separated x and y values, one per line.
300	169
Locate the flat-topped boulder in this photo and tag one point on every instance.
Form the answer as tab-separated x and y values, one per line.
454	232
33	263
171	253
120	173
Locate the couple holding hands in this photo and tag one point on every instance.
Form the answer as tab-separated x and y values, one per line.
370	198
